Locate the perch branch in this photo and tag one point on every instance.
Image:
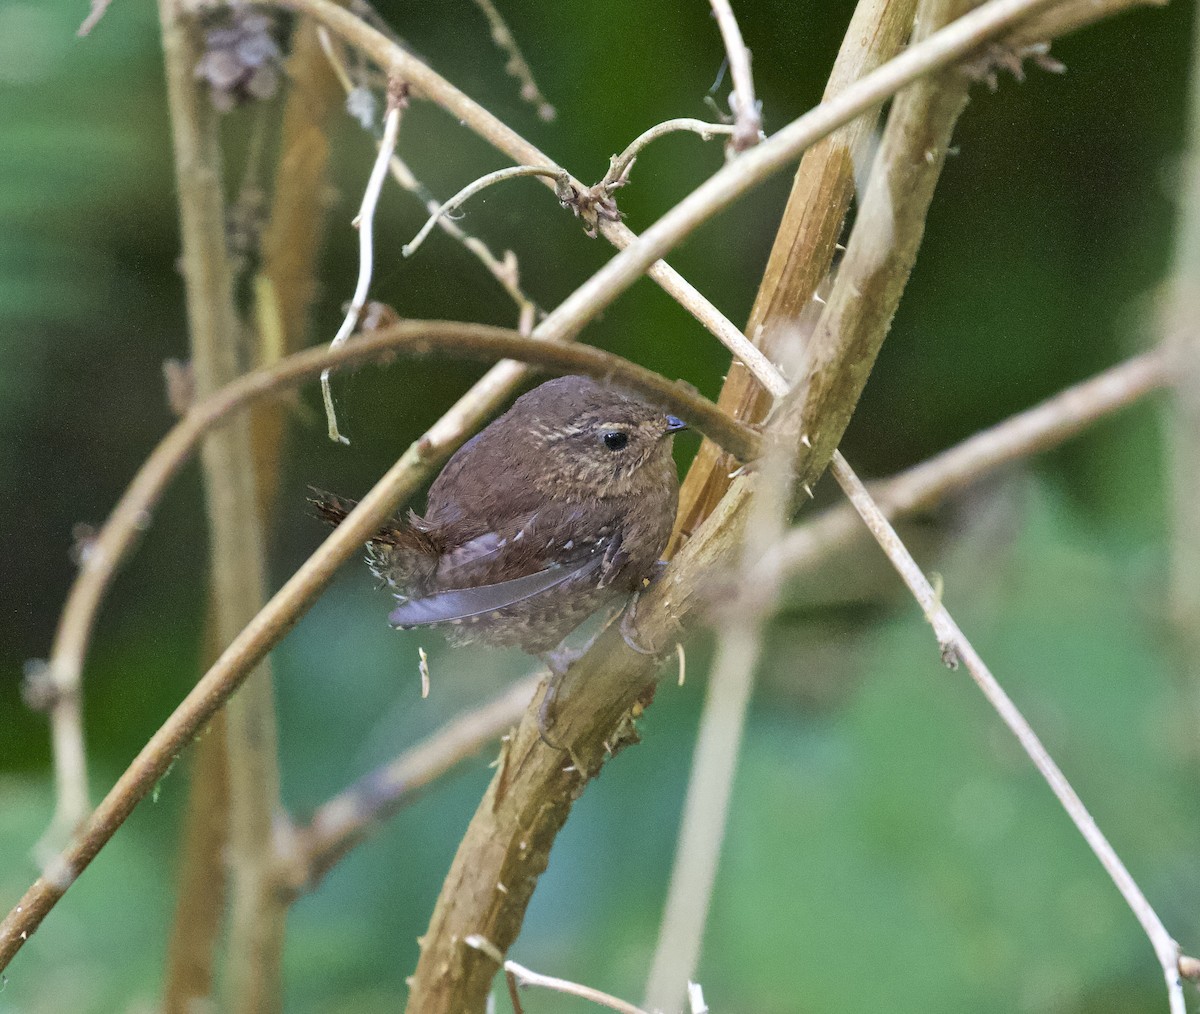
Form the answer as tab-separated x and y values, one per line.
955	649
134	510
266	629
365	223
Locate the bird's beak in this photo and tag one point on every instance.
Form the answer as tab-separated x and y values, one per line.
675	424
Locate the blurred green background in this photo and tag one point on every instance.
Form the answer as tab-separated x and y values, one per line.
888	845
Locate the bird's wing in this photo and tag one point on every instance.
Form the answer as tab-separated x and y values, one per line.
464	603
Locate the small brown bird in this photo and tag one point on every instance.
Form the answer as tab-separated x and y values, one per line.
560	507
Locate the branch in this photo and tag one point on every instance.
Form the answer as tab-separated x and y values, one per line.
517	66
804	245
503	269
1037	429
955	648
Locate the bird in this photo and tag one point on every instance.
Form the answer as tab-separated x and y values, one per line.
561	506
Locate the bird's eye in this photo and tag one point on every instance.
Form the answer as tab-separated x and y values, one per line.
614	440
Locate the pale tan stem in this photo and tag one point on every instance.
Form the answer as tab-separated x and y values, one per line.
237	560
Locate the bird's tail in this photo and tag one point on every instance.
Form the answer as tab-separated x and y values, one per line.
332	509
402	556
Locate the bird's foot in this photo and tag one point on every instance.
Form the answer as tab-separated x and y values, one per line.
629	632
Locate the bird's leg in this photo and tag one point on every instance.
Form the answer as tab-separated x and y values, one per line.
559	661
629	631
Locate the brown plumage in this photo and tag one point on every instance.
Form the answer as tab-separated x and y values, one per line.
560	507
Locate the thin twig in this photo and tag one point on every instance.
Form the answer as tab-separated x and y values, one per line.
99	7
746	109
469	191
365	222
619	165
955	648
517	66
519	975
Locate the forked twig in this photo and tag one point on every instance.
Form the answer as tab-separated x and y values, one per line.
503	269
519	975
